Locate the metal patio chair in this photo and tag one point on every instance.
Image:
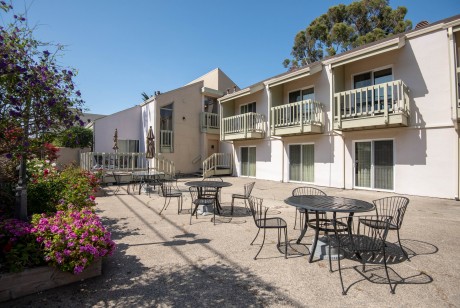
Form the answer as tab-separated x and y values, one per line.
394	207
306	191
197	201
168	192
360	241
245	196
259	213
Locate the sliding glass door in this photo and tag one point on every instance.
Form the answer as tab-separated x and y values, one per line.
374	164
248	161
301	162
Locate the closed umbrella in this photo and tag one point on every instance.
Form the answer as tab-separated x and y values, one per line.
150	145
115	140
150	153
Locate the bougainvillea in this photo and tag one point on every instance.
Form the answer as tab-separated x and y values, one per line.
71	240
18	247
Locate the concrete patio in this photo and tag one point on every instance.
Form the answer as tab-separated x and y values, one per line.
165	262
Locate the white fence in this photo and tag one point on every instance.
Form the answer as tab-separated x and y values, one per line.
125	162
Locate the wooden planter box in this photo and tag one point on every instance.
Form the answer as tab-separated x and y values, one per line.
14	285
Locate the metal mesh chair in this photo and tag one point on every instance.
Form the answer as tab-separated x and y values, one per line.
168	192
245	196
197	201
210	192
360	239
259	213
394	207
306	191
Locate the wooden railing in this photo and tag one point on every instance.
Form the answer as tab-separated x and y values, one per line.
293	114
209	121
166	141
243	123
377	100
217	161
125	162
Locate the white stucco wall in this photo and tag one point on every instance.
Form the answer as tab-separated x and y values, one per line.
127	122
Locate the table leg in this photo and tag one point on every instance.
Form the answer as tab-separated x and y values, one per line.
315	241
304	230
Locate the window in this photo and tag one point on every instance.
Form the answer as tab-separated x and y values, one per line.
376	95
210	104
248	108
372	78
128	146
166	128
248	161
302	95
301	162
374	165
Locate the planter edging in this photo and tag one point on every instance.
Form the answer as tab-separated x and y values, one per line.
29	281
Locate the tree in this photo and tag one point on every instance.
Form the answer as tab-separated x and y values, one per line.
145	96
36	94
75	137
344	27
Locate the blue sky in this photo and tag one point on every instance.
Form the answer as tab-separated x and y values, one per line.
123	48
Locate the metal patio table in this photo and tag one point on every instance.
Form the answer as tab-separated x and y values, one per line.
147	176
326	204
211	184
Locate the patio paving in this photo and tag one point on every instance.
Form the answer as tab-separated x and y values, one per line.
162	261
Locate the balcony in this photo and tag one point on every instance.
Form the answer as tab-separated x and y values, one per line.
209	123
166	141
304	117
378	106
244	126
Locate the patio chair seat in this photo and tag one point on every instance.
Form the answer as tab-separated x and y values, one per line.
275	222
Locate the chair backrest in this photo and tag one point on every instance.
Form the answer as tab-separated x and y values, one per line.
193	192
248	189
258	211
307	191
167	188
394	206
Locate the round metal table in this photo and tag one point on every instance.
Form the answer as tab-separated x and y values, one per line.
212	184
326	204
146	177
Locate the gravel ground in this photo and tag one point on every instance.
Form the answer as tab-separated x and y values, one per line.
162	261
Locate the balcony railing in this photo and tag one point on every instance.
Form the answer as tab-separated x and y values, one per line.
209	122
385	104
166	141
299	117
244	126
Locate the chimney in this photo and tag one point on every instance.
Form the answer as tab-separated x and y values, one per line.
228	91
422	24
234	89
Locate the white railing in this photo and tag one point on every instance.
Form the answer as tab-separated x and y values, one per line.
295	114
209	120
244	123
166	141
125	162
217	161
377	100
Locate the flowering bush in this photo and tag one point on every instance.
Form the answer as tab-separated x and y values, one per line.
50	190
18	247
72	239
